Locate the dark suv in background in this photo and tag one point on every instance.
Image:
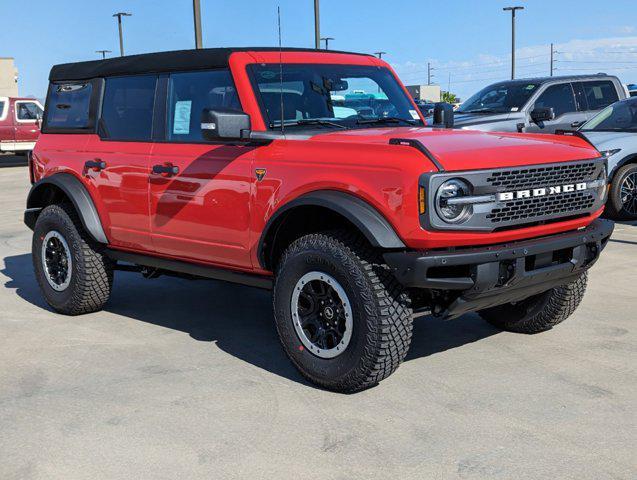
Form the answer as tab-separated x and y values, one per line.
539	105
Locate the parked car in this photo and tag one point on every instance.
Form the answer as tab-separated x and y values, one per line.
632	89
19	124
426	108
539	105
233	164
614	132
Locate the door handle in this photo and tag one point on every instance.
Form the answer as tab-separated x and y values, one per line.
167	169
96	164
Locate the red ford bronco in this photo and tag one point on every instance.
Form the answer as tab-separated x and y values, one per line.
312	174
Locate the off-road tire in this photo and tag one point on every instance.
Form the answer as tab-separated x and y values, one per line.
614	205
381	311
92	272
540	312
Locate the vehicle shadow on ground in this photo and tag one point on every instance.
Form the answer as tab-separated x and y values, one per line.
237	318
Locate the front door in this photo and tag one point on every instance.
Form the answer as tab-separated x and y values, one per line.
27	129
200	192
561	98
123	149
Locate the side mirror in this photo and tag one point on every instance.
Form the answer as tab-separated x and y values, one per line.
443	115
225	124
542	114
38	120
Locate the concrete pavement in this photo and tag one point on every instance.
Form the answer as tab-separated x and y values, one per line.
179	379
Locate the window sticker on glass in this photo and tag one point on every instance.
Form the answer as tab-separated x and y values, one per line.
514	109
181	122
414	114
530	86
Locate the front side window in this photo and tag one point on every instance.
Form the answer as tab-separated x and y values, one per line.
68	105
620	116
189	94
501	97
2	108
127	107
346	96
26	111
600	94
558	97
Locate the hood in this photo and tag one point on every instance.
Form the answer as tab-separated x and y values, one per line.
612	140
469	119
472	149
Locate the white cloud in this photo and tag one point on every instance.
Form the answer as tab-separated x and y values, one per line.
613	55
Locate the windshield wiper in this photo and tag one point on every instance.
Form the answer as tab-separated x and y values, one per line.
371	121
308	121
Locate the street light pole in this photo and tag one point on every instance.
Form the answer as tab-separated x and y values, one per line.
317	25
103	52
196	8
119	16
512	10
327	40
379	54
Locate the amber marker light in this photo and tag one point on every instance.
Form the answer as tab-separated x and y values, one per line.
421	200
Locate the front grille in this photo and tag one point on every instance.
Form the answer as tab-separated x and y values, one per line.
541	176
529	209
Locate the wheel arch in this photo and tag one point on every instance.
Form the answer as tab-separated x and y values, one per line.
632	158
331	209
60	187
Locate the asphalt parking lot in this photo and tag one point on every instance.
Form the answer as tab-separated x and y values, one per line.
179	379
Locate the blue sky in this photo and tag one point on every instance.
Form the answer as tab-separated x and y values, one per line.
467	41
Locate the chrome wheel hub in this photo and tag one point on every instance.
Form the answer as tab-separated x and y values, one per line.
56	261
628	194
322	315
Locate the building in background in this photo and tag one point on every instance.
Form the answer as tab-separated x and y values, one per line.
8	77
427	93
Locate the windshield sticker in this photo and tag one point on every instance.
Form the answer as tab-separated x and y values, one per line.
530	87
414	114
181	121
514	109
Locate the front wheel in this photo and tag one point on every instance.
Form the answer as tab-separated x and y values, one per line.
341	316
540	312
622	199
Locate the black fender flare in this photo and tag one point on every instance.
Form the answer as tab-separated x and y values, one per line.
371	223
79	196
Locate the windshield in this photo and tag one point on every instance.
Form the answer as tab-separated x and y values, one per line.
501	97
332	96
618	117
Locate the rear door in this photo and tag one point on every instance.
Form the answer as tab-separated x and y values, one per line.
27	127
123	144
201	211
561	98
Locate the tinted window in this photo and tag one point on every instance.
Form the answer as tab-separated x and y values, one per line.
68	105
560	97
500	98
620	116
1	109
600	94
189	93
28	111
127	107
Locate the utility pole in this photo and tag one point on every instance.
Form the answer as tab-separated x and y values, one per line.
103	52
429	75
512	10
196	10
119	16
380	54
327	42
553	52
317	25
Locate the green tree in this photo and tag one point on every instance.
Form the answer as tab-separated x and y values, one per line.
448	97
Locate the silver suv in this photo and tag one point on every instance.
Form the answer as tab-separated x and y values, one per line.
539	105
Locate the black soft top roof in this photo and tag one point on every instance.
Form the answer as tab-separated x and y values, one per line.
158	62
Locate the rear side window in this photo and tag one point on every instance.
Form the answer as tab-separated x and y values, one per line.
127	107
68	106
1	109
559	97
600	94
189	93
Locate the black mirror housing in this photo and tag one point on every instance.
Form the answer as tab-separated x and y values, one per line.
225	124
443	115
542	114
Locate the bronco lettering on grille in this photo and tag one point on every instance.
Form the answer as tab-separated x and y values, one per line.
541	192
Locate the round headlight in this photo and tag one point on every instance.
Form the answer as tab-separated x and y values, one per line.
448	209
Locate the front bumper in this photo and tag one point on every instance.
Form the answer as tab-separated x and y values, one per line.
488	276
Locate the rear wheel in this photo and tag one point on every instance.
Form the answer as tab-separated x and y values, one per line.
74	276
341	316
540	312
622	200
